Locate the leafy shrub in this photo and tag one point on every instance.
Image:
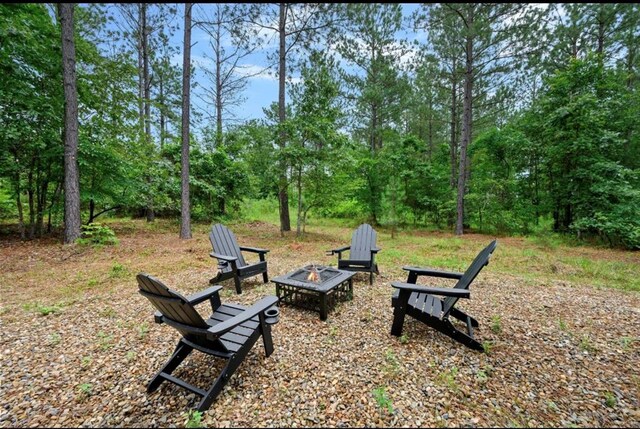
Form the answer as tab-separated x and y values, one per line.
96	234
618	228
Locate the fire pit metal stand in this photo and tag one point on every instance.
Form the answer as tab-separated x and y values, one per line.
299	288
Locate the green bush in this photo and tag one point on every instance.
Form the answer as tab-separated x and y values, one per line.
96	234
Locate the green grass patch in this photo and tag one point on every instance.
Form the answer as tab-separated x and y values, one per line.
43	310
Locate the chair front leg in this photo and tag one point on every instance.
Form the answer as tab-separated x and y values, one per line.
265	277
236	277
265	330
399	312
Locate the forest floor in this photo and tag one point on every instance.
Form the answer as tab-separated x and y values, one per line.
560	327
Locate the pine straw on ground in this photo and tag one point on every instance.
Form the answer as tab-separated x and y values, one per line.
560	354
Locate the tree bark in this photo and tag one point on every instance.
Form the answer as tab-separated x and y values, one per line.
71	178
299	219
147	80
21	227
453	142
283	194
218	88
141	12
161	99
185	224
466	125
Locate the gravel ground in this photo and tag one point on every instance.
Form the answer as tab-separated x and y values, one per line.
559	354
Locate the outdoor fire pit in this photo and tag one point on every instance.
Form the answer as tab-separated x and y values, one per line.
315	287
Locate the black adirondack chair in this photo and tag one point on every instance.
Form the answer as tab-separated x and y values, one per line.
422	303
229	333
362	252
231	263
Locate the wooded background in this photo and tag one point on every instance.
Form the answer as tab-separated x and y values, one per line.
508	119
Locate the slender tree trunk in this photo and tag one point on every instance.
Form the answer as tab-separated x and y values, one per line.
71	178
218	88
430	135
54	200
453	142
185	225
630	61
147	80
374	128
283	193
92	208
601	30
141	12
41	204
466	127
30	195
299	220
18	189
161	110
143	86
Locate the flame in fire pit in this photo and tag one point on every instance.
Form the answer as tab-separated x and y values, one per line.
313	275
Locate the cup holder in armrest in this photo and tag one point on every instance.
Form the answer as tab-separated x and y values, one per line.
272	315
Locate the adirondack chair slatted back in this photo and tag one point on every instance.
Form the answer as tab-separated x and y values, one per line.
224	242
362	241
472	272
173	306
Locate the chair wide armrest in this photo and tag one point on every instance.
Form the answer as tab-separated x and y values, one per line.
459	293
257	308
223	257
199	297
375	249
433	273
254	249
338	250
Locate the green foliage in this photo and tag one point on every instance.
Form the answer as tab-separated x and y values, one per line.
448	378
105	342
392	365
610	399
382	399
142	330
85	361
86	388
194	419
118	270
626	342
496	326
562	325
586	344
54	339
96	234
43	310
578	126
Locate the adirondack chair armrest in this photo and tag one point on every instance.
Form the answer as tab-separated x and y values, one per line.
199	297
263	305
459	293
223	257
433	273
338	250
375	249
254	249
